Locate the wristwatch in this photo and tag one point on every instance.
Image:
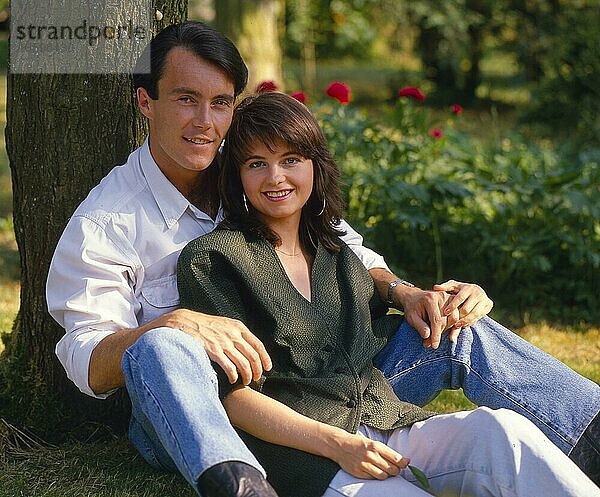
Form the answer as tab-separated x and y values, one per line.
394	284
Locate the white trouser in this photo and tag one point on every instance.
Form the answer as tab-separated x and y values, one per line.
480	453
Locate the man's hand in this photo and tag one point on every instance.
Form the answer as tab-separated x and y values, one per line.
449	307
468	299
423	310
452	306
227	342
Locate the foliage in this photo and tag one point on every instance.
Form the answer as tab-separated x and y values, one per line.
568	97
338	28
514	216
462	47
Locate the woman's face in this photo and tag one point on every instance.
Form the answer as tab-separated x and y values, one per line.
277	182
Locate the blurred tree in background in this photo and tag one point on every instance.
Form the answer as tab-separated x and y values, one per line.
567	99
253	25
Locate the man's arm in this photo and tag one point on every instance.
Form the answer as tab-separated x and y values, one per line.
274	422
90	293
451	306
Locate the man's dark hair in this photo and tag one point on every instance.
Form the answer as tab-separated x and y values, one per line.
273	118
198	38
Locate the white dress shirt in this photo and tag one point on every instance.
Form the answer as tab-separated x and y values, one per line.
115	264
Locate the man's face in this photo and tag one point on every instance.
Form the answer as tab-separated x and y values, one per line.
189	119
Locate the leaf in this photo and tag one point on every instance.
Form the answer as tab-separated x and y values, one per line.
421	478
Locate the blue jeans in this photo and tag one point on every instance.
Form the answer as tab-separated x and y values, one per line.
498	369
178	422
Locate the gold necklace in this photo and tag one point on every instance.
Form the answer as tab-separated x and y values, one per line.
287	253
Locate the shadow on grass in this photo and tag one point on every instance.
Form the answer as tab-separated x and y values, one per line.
104	469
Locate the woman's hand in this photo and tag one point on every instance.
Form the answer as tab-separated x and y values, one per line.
364	458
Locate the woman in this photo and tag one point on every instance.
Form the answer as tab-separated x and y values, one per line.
324	421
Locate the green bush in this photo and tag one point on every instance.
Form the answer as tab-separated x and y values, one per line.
513	216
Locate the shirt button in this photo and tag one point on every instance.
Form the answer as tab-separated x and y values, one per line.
351	403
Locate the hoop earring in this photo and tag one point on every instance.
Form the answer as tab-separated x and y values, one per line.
245	202
311	239
323	208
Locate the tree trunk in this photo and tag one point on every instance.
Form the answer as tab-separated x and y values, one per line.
473	76
253	25
437	67
64	133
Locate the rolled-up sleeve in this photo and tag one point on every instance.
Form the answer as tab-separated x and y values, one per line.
90	294
368	257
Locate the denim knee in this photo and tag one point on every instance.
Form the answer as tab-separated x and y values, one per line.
171	352
164	343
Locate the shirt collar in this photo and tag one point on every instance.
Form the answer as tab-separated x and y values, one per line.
170	201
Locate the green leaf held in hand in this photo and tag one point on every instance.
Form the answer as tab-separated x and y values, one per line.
421	478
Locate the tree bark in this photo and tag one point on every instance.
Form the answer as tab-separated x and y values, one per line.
64	133
253	25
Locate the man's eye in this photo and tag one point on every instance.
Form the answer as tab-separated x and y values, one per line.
222	103
185	99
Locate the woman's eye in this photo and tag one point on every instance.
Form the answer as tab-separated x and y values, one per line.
292	160
254	165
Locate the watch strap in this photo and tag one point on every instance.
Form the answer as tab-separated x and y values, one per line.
394	284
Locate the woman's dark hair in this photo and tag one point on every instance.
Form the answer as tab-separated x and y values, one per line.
273	118
199	39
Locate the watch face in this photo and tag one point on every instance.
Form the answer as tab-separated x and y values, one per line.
390	300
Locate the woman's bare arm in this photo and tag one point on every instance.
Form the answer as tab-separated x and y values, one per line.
274	422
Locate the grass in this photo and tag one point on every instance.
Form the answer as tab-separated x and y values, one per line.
108	469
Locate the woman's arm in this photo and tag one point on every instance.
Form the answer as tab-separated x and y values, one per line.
274	422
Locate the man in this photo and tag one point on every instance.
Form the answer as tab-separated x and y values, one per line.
112	287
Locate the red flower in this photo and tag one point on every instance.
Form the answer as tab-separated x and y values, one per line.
299	95
339	91
412	92
457	109
266	86
436	133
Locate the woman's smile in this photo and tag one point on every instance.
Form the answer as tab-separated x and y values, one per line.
279	195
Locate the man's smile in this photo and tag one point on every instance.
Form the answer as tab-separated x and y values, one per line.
198	140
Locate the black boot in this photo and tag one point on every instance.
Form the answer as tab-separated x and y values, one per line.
234	479
586	453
